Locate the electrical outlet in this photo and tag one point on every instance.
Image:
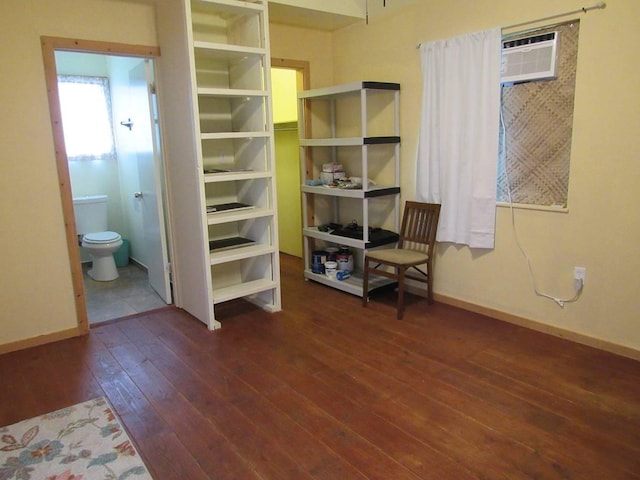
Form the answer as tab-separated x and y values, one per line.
579	277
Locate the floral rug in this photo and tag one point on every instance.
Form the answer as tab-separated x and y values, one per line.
82	442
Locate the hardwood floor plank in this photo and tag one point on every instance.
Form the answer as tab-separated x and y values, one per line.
19	372
314	456
279	386
536	417
172	460
436	441
421	408
610	425
302	379
327	390
252	443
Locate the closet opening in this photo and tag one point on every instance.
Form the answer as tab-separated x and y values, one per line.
287	78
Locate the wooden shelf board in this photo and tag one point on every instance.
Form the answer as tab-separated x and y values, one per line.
227	50
233	135
230	92
234	176
242	290
218	218
240	253
230	6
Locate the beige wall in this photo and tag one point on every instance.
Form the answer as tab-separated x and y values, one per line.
36	296
601	231
313	46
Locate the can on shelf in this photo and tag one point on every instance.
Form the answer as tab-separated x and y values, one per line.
332	252
343	274
344	258
318	259
330	269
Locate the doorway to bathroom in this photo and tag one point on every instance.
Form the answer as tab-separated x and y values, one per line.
131	177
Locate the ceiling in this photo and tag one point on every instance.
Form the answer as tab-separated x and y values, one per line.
318	14
307	18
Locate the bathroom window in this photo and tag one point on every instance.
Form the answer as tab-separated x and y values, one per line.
85	105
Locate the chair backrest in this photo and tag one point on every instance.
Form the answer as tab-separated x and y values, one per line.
419	225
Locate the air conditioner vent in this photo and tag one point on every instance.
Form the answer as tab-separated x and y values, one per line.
529	58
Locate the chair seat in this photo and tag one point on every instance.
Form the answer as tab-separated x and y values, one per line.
416	241
399	256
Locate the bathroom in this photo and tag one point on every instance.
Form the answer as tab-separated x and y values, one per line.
132	181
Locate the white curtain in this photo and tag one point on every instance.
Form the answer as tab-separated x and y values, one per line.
459	133
85	106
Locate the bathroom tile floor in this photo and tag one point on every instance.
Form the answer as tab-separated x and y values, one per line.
128	294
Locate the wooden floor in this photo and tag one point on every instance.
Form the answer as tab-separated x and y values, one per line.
328	390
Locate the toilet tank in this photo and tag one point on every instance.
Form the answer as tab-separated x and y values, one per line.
90	213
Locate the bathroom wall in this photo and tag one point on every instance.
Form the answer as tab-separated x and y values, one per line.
95	177
132	224
116	178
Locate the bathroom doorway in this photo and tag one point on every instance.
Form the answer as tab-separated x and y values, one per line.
132	179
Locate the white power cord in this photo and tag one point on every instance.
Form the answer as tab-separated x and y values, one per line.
578	282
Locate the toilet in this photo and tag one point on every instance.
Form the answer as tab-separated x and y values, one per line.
91	223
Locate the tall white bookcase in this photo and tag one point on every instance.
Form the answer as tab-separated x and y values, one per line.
214	76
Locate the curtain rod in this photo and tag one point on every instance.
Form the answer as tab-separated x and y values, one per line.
599	5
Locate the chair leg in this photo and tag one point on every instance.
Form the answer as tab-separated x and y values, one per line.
400	306
365	283
429	283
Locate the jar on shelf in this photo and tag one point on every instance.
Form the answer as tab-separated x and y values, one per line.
344	258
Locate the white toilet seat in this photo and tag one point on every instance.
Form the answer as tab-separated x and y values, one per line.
100	238
101	246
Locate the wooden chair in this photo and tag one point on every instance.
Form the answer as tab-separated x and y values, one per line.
415	248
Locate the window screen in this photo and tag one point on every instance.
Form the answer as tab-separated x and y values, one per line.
535	143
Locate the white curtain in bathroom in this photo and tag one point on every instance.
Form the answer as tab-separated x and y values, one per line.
459	133
85	107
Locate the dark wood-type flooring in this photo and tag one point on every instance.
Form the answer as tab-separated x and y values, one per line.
329	390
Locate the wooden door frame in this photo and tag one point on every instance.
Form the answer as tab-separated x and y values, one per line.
49	46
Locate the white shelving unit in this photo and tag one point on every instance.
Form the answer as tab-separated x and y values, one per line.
219	135
355	125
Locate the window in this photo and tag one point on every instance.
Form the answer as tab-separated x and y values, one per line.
535	141
85	106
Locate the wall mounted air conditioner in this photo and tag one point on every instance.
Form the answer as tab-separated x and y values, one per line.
529	58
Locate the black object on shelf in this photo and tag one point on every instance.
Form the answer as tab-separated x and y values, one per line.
225	207
228	243
377	235
329	227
